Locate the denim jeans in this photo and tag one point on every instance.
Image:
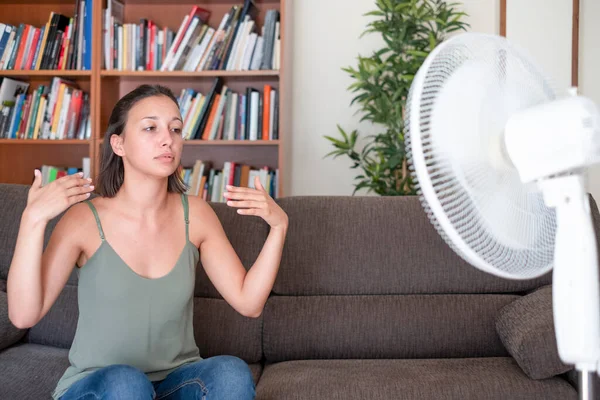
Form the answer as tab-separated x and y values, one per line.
214	378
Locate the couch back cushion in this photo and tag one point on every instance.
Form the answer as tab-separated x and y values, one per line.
218	328
369	277
14	199
375	245
247	235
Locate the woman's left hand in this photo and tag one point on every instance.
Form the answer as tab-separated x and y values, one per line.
256	202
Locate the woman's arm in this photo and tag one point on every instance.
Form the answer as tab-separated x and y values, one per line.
260	278
246	292
35	280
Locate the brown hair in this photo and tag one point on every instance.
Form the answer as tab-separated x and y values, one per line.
112	172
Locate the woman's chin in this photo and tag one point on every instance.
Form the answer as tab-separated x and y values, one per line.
165	170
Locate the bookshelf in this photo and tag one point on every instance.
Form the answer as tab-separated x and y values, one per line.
18	157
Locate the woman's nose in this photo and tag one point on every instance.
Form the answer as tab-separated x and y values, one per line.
165	137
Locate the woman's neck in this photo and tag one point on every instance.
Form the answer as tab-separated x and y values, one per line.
144	196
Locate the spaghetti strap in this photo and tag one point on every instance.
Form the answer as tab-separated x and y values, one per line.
186	213
89	203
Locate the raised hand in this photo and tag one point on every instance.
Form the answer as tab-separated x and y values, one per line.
256	202
46	202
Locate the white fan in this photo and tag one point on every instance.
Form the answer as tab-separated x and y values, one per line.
500	162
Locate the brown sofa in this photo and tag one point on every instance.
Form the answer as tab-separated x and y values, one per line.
369	303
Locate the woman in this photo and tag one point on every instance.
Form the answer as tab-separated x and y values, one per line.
136	248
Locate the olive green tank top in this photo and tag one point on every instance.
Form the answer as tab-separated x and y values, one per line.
125	318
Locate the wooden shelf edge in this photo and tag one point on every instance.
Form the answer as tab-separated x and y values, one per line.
185	74
45	141
44	72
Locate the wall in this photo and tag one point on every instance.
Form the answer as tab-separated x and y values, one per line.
326	38
543	28
589	69
319	96
320	99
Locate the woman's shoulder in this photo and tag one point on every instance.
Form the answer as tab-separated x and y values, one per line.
76	220
81	211
200	208
77	212
203	219
197	204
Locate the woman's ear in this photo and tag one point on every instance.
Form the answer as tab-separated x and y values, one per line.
116	142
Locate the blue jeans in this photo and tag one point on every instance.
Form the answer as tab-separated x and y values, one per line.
218	378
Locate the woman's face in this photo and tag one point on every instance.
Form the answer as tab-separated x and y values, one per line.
153	142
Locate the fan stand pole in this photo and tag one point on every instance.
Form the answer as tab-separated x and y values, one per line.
586	387
575	289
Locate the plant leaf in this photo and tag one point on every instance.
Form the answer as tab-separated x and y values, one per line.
409	30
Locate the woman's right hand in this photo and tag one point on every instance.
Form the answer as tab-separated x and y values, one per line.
46	202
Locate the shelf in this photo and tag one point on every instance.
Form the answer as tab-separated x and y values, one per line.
37	2
179	2
231	143
45	72
44	142
186	74
18	157
225	142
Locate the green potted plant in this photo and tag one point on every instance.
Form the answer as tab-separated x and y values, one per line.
411	29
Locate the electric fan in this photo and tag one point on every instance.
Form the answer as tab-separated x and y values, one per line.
499	159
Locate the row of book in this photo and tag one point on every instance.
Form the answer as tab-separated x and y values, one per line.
202	179
62	43
62	111
234	45
51	172
223	114
209	183
58	111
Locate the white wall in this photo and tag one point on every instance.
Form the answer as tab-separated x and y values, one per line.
589	69
483	15
327	40
320	98
543	28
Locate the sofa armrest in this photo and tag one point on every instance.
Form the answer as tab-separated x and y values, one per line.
526	328
9	334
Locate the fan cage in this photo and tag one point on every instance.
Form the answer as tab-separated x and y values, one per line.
515	240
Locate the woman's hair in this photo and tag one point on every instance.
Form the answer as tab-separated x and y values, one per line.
112	172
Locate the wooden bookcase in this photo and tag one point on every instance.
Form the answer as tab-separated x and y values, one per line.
19	157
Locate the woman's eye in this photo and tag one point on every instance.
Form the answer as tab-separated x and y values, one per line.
177	130
150	128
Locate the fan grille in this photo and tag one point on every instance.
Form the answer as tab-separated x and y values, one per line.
457	107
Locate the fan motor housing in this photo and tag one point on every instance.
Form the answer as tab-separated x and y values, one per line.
554	138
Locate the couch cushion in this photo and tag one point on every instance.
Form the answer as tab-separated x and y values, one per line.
247	236
58	326
219	329
14	199
526	327
449	379
31	371
9	334
375	245
405	326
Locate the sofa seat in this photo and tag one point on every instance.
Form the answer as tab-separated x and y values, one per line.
488	378
48	363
